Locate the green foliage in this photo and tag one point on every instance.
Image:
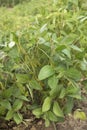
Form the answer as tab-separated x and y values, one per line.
57	110
47	104
46	72
43	59
10	3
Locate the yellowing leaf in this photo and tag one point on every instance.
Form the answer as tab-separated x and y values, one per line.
80	115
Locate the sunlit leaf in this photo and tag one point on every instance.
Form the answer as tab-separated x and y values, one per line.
46	105
45	72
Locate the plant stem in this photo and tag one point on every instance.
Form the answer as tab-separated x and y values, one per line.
54	126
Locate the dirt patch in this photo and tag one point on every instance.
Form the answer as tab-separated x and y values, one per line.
72	124
69	124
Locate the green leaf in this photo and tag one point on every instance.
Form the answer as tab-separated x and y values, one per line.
21	87
23	98
84	83
46	105
47	122
74	2
74	47
22	78
2	110
77	96
83	19
2	55
62	93
9	114
37	112
17	104
52	82
68	40
73	91
7	93
17	118
35	85
67	53
30	91
6	104
51	116
46	72
69	105
80	115
84	64
43	28
56	91
57	110
74	74
60	48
